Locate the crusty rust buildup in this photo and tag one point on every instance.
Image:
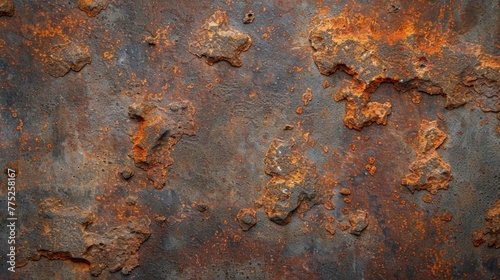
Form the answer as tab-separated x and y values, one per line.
295	185
372	57
65	57
115	248
428	171
159	130
217	41
6	8
92	7
247	218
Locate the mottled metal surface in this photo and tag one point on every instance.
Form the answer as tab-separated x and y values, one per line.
251	139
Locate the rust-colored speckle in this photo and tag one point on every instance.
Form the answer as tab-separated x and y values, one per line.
478	238
299	110
447	217
330	228
427	198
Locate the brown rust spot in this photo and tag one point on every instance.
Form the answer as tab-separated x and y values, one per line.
429	171
217	41
92	7
371	169
62	228
345	191
492	228
299	110
330	228
307	96
63	235
447	217
66	57
363	50
160	220
295	187
360	111
358	221
127	173
6	8
247	218
478	238
249	17
159	130
117	248
427	198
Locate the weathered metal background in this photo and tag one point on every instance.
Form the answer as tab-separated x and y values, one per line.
251	139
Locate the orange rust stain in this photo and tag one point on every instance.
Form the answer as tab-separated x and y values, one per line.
352	146
108	55
307	97
372	160
371	169
299	110
20	126
364	25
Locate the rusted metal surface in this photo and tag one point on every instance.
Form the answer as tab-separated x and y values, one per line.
248	139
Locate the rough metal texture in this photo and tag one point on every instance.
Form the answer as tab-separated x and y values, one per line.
246	139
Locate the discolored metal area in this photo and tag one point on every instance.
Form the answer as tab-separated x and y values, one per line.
251	139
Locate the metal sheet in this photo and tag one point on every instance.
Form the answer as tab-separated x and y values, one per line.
250	139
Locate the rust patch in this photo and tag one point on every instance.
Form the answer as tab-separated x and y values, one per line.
70	222
249	17
358	221
6	8
478	238
217	41
246	218
345	191
66	57
429	171
63	235
117	248
492	228
299	110
160	220
92	7
296	185
360	48
493	225
447	217
127	173
330	228
360	111
159	130
427	198
487	95
307	96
